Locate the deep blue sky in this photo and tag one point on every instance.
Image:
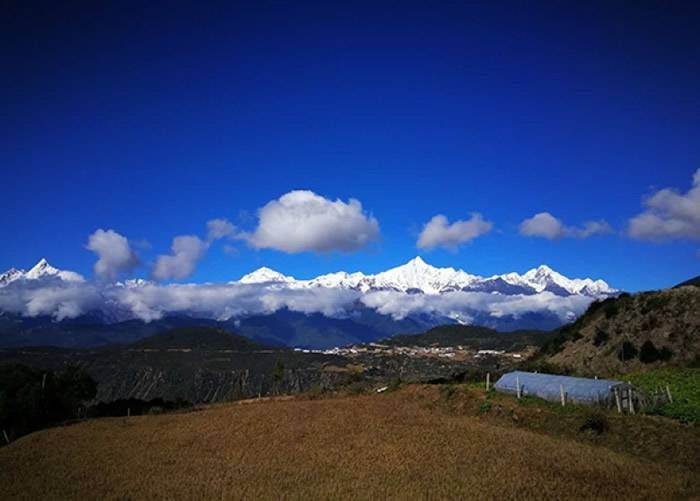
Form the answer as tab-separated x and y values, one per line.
152	120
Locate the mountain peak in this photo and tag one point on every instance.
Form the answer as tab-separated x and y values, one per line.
418	261
264	275
41	268
44	269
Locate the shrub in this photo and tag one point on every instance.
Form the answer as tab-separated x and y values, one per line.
649	353
601	337
611	310
394	384
627	351
595	422
655	302
485	407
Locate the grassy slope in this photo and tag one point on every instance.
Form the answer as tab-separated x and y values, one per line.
405	444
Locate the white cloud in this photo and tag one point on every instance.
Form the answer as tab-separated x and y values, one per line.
114	253
545	225
56	298
187	250
151	301
301	221
669	215
220	228
438	232
468	305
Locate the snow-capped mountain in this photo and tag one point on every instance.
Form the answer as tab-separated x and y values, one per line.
265	275
40	270
331	309
10	276
417	276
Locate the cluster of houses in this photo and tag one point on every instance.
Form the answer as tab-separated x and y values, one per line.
449	352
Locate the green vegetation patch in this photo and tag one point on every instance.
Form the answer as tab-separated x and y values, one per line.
685	390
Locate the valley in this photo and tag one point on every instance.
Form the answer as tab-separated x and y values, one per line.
208	365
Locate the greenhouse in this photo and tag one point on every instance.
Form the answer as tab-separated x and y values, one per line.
561	388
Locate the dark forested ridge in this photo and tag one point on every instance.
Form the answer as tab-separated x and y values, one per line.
472	336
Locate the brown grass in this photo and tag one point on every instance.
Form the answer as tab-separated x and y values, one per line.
382	446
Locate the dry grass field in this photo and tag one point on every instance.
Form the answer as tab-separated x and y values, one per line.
400	445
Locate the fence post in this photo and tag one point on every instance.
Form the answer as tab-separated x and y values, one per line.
517	385
562	395
668	394
629	398
617	401
128	412
488	380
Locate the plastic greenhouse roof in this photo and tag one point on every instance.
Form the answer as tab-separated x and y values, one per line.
548	386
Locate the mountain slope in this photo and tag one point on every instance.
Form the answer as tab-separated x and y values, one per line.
631	333
693	281
198	337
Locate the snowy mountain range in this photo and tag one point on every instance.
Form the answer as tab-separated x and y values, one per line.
414	277
417	276
45	304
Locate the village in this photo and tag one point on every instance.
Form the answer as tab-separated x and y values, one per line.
458	353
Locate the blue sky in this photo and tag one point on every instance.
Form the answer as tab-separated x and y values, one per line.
153	120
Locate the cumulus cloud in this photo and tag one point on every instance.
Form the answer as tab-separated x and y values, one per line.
220	228
669	215
545	225
187	250
438	232
114	253
301	221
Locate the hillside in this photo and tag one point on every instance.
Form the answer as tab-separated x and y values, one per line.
401	445
631	333
206	364
693	281
198	337
475	337
195	364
